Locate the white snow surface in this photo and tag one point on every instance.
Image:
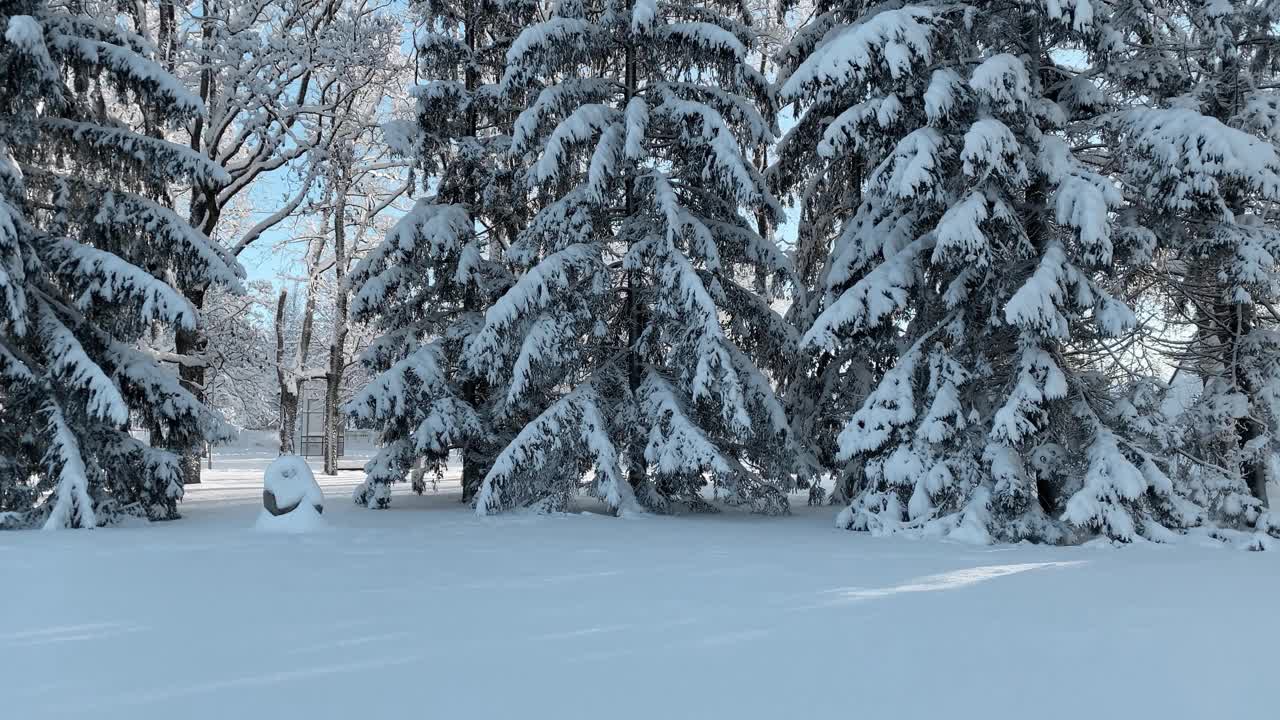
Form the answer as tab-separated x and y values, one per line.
426	610
303	519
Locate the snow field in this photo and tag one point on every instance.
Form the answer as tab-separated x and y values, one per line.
426	610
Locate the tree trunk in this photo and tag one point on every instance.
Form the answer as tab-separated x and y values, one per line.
473	472
289	374
191	343
204	216
337	345
1253	470
1235	322
636	464
288	386
167	40
288	420
761	160
474	459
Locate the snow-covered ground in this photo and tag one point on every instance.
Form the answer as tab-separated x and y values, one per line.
426	611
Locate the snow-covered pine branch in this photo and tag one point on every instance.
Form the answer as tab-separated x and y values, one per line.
546	463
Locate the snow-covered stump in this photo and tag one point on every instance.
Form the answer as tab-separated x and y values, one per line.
292	500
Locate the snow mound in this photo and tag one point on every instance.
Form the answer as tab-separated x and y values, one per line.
302	520
289	486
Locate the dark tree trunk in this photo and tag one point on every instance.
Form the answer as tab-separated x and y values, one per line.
1234	323
192	344
1254	469
167	39
288	421
474	459
292	375
1240	321
473	472
288	389
204	215
337	359
637	467
761	160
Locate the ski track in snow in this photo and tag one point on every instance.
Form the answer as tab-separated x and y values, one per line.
426	610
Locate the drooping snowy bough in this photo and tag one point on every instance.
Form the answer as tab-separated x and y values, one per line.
89	254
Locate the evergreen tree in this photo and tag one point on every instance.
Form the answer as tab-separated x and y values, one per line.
426	287
979	252
89	256
639	333
1199	163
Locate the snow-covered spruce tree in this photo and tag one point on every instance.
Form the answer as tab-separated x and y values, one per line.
980	246
425	288
88	255
639	334
1198	160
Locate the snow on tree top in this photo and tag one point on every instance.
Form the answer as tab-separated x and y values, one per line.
25	32
893	40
